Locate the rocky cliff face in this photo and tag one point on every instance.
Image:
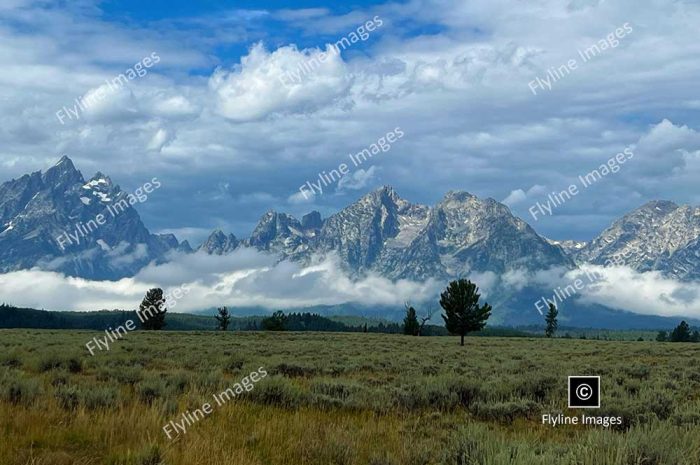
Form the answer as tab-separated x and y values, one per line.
658	236
219	243
49	220
384	233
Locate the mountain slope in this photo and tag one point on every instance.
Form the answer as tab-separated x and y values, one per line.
658	236
50	220
384	233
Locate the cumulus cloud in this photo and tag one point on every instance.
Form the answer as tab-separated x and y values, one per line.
518	196
287	80
173	106
358	180
460	91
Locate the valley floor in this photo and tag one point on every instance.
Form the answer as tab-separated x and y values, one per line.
341	398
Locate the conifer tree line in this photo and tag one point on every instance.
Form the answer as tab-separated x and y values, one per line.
681	333
462	314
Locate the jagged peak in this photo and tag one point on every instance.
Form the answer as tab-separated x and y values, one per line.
381	195
460	196
312	219
218	243
100	179
664	205
220	234
217	232
64	159
64	164
62	172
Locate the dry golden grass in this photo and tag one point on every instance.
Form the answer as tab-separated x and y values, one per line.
341	399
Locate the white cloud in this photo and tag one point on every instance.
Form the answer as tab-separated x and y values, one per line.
173	106
644	293
243	278
360	179
286	80
518	196
301	197
159	140
460	91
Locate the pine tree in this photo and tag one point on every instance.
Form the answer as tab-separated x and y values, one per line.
662	336
223	318
551	320
276	322
462	312
152	310
695	337
681	333
410	322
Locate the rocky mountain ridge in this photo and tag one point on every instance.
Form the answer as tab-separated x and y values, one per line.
47	219
58	221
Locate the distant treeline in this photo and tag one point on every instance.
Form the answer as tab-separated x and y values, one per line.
15	317
314	322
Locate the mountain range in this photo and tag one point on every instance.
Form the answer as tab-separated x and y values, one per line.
384	233
39	208
381	233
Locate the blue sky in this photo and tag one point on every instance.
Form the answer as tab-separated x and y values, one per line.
214	122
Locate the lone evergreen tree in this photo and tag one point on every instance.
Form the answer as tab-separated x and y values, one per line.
152	310
462	312
662	336
681	333
551	320
410	323
223	318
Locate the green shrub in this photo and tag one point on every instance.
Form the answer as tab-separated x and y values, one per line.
68	397
687	418
10	360
150	389
128	375
177	382
73	365
293	371
504	412
209	380
537	388
278	391
52	362
102	397
20	391
336	389
234	364
659	403
49	362
641	372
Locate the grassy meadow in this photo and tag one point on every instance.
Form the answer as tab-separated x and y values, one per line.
341	398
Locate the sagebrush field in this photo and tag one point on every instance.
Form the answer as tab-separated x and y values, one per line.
340	398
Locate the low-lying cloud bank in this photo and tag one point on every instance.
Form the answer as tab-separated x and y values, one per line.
243	278
248	278
615	287
647	293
